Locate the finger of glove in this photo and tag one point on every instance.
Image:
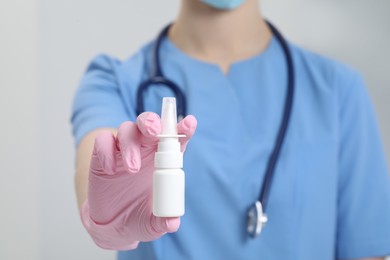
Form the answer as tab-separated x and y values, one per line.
149	124
129	145
103	161
162	225
187	127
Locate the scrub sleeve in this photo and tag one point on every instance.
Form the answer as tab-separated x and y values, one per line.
98	102
363	227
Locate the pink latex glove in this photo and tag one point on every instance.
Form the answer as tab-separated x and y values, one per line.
118	211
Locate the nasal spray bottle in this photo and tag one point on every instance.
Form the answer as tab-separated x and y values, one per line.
168	177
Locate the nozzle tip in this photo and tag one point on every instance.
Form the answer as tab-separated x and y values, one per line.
169	116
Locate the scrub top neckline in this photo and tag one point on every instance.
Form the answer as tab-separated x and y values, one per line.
190	59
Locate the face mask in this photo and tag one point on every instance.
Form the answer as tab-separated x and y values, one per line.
224	4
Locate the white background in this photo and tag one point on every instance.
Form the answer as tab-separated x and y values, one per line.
45	46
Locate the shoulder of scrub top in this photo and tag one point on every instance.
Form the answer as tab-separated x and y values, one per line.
328	72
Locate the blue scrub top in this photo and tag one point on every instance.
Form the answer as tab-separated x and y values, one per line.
330	196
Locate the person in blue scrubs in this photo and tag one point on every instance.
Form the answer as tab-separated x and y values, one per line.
330	197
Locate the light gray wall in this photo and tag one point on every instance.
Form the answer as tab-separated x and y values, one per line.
19	178
45	46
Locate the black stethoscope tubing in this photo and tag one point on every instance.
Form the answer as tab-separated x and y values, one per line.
265	190
157	78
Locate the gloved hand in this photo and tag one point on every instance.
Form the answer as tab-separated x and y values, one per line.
118	211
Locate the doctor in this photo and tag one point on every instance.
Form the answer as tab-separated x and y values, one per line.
330	191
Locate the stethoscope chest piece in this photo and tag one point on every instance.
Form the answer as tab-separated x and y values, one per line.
256	219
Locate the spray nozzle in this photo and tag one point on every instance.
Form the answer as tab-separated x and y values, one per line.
169	118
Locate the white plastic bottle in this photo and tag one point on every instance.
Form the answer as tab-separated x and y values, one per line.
168	177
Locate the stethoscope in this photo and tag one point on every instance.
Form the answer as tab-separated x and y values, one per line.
256	216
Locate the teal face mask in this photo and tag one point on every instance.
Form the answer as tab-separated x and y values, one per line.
224	4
